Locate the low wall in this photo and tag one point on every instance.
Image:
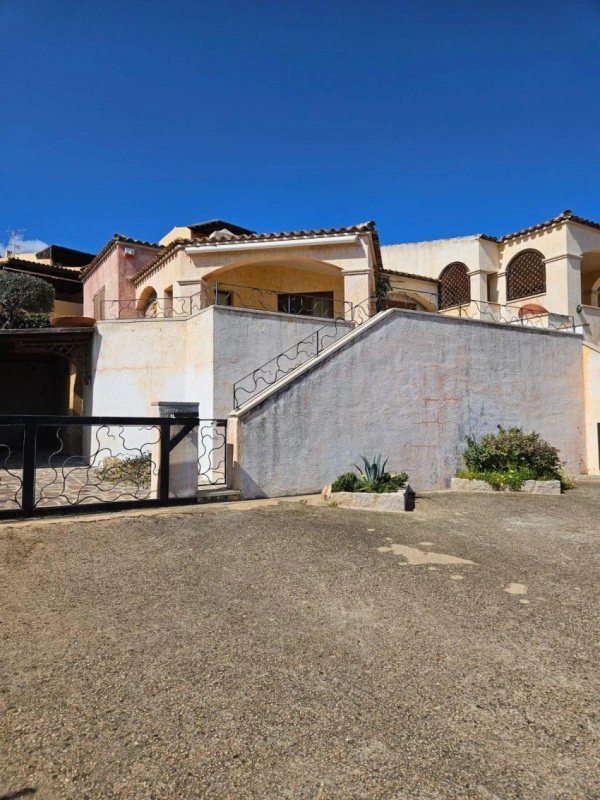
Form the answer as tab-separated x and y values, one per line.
411	386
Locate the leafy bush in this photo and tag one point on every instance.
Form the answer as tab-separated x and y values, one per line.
373	478
345	483
512	479
133	469
25	301
22	320
511	457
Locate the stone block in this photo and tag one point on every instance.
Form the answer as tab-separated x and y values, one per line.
394	501
529	487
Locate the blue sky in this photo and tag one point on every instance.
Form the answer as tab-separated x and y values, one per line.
433	118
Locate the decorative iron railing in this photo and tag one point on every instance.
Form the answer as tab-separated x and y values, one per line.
298	354
512	315
52	464
309	304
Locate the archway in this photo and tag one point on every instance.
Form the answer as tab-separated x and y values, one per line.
147	304
296	285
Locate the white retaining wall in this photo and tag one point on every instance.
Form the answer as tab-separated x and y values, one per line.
411	386
136	363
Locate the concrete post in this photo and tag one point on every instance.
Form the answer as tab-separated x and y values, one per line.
183	462
563	284
479	294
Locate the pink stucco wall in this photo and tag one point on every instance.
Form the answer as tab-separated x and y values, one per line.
114	274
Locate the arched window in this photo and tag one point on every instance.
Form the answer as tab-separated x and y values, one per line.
455	286
525	275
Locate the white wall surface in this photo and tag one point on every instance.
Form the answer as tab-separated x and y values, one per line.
412	386
430	258
139	362
591	366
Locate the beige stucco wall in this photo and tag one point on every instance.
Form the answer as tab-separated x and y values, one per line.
196	359
591	373
562	246
345	268
429	258
412	386
64	308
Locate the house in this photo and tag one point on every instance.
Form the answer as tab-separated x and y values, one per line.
319	344
548	273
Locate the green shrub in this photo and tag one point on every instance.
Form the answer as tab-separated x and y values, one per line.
132	469
25	301
374	478
510	457
511	479
23	320
345	483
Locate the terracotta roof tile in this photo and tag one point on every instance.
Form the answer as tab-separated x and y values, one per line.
566	216
117	237
364	227
409	275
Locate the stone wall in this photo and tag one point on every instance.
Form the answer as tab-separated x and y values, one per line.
411	386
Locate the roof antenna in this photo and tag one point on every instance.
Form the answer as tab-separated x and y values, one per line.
15	241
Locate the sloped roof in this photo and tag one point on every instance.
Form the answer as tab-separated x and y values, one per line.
363	227
409	275
65	256
34	267
116	239
566	216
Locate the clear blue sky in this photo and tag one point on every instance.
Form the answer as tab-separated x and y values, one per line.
433	118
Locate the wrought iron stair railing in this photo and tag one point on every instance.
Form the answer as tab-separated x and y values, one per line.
298	354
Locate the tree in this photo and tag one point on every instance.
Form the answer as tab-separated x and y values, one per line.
25	301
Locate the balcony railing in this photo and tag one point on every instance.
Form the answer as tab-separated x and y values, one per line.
511	315
307	304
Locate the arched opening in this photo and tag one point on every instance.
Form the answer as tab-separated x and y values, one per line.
301	286
147	305
525	275
454	286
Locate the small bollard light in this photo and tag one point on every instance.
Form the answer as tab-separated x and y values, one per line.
409	499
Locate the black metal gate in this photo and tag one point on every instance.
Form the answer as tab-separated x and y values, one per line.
59	465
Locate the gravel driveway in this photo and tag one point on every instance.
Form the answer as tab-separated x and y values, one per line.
299	651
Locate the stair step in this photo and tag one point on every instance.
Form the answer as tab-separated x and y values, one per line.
214	494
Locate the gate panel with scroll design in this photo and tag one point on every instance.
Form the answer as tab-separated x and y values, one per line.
105	463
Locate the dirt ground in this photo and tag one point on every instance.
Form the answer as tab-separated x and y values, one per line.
303	651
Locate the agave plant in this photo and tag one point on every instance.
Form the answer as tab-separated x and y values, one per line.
373	470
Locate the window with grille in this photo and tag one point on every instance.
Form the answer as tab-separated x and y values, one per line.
525	275
454	286
99	303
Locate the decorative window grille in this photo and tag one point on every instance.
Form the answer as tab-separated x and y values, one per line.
99	303
454	286
525	275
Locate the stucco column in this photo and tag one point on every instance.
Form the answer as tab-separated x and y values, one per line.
479	293
563	284
188	296
358	290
